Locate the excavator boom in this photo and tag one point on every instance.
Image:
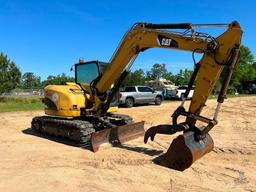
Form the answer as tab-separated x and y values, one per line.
217	52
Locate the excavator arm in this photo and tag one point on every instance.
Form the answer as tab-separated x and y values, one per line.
217	53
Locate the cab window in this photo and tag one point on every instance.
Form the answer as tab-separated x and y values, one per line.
144	89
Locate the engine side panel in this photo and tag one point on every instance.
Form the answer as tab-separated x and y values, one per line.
67	100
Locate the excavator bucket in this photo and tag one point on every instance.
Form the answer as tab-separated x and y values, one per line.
117	135
184	150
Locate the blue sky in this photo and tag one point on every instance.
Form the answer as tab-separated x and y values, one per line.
47	37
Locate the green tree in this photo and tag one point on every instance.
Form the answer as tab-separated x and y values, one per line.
183	77
30	81
9	74
156	72
134	78
57	80
170	77
245	70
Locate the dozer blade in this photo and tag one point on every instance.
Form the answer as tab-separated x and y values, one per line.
184	150
117	135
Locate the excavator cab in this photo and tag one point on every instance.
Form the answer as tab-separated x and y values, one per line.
87	72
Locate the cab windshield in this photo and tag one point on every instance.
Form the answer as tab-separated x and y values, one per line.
86	72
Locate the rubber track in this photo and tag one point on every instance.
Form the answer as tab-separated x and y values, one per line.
78	131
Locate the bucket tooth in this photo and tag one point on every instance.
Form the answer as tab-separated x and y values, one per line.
184	151
117	135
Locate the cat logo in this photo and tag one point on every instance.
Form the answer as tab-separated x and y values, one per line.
166	42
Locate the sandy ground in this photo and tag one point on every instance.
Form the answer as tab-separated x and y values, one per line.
30	163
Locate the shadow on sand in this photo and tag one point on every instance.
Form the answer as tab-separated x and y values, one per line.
30	131
143	150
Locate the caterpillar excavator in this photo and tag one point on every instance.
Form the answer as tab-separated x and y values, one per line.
83	111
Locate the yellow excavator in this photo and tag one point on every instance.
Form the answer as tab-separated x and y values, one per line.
83	111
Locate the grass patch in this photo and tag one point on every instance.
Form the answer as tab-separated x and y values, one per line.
30	103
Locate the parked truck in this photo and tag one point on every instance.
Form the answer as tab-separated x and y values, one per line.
140	95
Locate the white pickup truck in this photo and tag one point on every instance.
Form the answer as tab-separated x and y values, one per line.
140	95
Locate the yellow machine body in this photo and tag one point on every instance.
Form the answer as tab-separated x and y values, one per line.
67	100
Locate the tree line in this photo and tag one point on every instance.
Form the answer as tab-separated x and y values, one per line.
243	79
11	77
157	71
29	80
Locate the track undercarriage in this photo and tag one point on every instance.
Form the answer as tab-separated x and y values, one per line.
80	130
